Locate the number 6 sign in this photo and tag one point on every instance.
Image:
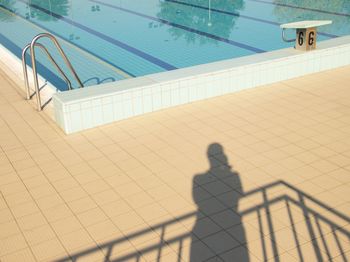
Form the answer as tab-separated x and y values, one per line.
306	33
306	39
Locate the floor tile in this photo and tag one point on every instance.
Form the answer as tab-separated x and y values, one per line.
273	182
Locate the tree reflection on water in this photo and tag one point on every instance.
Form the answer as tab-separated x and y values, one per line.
60	7
199	18
284	13
6	16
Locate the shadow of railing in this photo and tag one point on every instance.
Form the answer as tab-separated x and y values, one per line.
314	212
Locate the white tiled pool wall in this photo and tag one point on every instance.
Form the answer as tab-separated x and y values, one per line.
12	66
94	106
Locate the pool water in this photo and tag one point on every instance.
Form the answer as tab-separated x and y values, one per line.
109	40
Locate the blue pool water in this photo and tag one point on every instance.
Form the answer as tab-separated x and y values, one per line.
109	40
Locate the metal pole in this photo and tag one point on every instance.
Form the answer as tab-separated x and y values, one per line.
25	72
35	74
52	60
284	37
36	83
209	13
68	63
56	65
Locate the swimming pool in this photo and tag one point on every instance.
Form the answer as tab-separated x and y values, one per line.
109	40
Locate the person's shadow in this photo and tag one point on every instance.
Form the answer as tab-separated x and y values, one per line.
218	234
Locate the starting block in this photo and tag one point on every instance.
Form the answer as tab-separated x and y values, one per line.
306	33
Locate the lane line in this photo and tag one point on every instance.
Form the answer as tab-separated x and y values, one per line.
189	29
77	47
240	15
107	38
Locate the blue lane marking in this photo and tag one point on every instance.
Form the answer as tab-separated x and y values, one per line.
65	38
107	38
189	29
239	15
302	8
49	75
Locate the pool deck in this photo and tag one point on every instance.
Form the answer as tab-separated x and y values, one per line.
277	187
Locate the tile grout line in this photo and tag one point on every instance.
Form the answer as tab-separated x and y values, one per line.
25	239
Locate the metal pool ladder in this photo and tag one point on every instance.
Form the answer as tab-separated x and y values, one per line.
32	46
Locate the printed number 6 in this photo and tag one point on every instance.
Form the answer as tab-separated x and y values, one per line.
311	38
301	38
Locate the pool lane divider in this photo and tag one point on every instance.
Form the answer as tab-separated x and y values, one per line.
238	15
107	38
302	8
83	50
186	28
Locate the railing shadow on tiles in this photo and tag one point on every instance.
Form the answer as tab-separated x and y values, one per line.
326	231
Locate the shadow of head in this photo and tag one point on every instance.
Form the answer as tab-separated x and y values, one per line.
216	156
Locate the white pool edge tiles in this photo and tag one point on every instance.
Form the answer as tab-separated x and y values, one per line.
98	105
12	66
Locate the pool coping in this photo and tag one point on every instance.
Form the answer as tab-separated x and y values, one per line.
94	106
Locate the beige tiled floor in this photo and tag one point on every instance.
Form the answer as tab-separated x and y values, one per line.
276	189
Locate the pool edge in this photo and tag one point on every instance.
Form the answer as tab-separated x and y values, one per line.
81	109
11	65
86	108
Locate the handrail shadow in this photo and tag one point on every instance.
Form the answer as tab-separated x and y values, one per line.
97	81
291	195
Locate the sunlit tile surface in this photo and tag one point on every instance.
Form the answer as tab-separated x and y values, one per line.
258	175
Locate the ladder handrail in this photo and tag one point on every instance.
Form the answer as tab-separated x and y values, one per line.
53	61
285	39
32	46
